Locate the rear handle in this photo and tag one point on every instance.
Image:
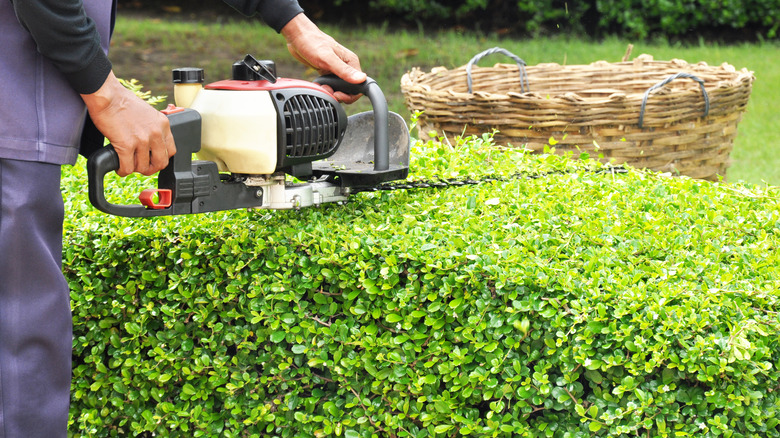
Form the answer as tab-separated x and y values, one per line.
184	186
185	127
99	164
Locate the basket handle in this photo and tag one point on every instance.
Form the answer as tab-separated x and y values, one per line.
670	79
520	65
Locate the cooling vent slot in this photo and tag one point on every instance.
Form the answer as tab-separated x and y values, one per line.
311	126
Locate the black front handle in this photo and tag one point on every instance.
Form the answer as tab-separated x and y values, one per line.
381	115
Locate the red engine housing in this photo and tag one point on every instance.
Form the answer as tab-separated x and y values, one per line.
310	121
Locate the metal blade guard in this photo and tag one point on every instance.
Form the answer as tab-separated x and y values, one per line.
375	147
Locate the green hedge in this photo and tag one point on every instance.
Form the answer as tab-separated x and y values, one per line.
569	304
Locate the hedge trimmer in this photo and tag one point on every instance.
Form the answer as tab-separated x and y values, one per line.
251	132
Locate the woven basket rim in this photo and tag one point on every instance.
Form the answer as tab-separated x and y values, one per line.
653	71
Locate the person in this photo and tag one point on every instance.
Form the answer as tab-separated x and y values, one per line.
55	72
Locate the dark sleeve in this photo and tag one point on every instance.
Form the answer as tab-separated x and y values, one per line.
276	13
65	35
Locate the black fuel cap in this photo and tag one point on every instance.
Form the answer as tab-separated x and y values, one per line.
188	75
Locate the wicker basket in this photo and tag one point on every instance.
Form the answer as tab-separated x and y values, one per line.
667	116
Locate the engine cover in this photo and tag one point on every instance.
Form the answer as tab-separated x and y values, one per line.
258	127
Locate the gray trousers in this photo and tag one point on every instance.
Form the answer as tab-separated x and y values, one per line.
35	319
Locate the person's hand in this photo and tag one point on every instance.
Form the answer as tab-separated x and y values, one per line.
140	134
314	48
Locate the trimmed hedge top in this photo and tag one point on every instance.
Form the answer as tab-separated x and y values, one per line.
566	303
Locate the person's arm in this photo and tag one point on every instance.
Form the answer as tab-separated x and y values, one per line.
275	13
65	35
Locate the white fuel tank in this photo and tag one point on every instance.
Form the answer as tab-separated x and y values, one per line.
238	130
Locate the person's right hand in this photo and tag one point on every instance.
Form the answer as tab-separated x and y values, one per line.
316	49
140	134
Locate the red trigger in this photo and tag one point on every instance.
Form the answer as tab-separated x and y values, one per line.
165	198
172	109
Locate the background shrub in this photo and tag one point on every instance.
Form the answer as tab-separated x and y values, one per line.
725	20
526	16
567	303
677	18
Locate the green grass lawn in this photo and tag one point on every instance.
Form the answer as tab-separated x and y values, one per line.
146	49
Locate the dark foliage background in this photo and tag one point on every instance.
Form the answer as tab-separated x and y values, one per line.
726	20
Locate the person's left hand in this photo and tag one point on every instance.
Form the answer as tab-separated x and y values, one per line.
314	48
141	135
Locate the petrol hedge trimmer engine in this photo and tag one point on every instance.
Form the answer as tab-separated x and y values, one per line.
252	131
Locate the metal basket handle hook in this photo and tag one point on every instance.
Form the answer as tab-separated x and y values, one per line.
520	65
666	81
